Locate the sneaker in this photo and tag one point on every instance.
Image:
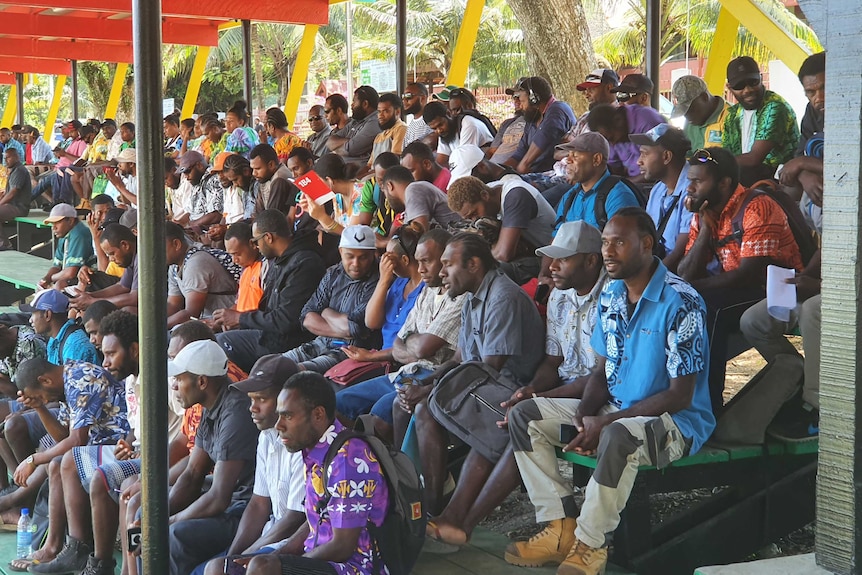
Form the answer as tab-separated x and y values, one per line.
803	423
584	560
551	545
71	559
99	566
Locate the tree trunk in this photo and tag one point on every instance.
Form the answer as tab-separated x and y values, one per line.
559	47
258	69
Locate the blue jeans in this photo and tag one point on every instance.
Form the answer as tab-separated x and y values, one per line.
375	396
199	570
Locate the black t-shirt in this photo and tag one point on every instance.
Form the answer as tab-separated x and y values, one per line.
812	123
519	208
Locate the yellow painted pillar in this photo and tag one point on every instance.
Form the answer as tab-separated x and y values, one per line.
788	49
720	52
195	81
116	90
11	108
464	45
59	83
300	73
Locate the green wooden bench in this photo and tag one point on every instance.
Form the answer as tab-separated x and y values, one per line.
758	494
33	234
22	271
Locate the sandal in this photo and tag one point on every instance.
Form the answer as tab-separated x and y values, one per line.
21	565
434	542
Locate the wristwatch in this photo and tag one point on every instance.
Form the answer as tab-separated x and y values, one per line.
30	461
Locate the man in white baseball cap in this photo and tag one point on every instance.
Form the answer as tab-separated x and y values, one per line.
226	442
73	249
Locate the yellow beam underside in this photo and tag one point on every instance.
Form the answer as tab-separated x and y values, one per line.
788	49
300	73
48	133
195	80
11	108
721	51
466	40
116	90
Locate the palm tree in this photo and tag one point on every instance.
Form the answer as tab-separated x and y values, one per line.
691	21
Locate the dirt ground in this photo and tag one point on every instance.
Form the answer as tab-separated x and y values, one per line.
516	517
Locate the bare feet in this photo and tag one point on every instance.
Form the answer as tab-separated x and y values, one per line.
43	555
444	532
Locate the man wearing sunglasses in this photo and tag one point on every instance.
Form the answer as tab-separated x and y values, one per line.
414	98
320	131
760	129
634	89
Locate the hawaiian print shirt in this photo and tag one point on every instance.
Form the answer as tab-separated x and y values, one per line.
29	345
285	145
95	399
775	121
358	492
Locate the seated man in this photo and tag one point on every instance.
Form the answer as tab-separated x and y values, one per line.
272	188
67	340
704	113
275	510
123	181
420	202
725	264
501	328
579	277
662	160
335	540
373	210
355	141
74	248
18	343
510	131
205	523
760	129
615	124
392	129
238	199
99	470
320	131
204	195
295	269
454	132
103	211
245	254
120	245
300	161
200	280
336	311
426	339
526	220
93	412
635	89
420	159
15	202
643	392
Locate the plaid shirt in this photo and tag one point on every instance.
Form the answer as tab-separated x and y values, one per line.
437	314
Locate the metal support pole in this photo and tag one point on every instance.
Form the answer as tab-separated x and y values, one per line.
152	300
653	47
246	62
74	89
401	41
19	83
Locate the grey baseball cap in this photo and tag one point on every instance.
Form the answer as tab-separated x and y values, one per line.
573	238
685	90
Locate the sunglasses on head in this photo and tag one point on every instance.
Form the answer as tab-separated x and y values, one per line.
314	118
703	156
400	240
748	83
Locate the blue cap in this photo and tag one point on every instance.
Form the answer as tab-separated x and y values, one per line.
49	300
25	511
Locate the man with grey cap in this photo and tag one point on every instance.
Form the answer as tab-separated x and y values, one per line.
276	509
204	523
579	277
704	113
335	314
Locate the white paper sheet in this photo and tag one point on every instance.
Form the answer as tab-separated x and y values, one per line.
780	295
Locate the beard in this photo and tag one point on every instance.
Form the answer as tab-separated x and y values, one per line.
359	114
414	107
531	114
388	124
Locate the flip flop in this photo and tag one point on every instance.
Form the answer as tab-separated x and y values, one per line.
21	565
434	542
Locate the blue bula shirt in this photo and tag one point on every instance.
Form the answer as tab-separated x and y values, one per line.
664	339
679	221
77	346
584	206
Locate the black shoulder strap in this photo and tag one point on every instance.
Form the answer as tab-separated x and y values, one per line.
662	224
570	200
603	190
737	221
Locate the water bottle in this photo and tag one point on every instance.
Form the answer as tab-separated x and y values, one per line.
25	534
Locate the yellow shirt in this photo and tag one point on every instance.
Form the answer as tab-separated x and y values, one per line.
114	270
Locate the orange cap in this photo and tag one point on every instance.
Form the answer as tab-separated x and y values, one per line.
218	163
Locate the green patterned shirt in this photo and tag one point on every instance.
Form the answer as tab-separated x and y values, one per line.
775	121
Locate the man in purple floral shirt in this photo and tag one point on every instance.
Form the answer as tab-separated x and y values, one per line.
335	539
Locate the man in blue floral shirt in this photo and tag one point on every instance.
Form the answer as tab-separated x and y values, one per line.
92	412
335	539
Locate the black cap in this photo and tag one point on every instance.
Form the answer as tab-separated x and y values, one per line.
517	88
267	371
635	84
742	68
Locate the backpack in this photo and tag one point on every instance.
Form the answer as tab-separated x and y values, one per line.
400	537
221	257
603	190
478	116
803	234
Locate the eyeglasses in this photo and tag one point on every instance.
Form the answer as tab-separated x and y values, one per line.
703	156
325	111
314	118
256	239
748	83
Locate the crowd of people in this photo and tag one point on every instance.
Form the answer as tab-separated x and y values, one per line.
593	267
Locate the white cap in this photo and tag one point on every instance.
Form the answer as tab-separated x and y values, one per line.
357	238
463	160
572	238
204	357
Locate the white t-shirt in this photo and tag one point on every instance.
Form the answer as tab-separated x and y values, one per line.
749	126
280	476
472	131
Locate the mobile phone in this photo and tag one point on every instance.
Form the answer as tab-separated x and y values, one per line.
568	432
231	567
134	535
542	293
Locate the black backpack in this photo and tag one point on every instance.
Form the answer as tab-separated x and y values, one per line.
401	536
603	190
478	116
803	234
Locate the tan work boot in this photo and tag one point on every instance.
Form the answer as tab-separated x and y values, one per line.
584	560
551	545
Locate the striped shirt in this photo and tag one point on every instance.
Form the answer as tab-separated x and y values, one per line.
280	476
